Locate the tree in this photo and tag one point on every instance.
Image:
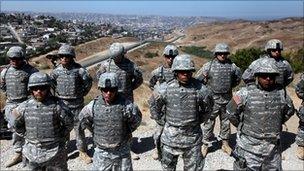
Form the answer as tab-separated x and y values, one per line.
243	57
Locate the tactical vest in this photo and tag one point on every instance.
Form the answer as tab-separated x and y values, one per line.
69	84
124	72
220	77
110	129
263	115
181	104
42	122
282	70
165	74
16	83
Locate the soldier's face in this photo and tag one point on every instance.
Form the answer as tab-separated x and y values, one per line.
267	81
184	76
222	56
275	53
40	92
65	60
169	59
109	94
16	62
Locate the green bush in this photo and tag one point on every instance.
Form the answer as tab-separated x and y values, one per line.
198	51
296	59
150	55
243	57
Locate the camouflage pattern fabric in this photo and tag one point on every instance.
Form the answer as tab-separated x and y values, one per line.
221	78
283	80
182	127
110	152
160	75
129	75
259	134
67	50
15	52
300	93
274	44
41	146
193	159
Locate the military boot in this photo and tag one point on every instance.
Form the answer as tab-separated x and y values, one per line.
300	152
226	148
204	150
85	157
17	158
155	154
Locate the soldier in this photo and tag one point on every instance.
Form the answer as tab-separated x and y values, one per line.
258	111
112	118
187	103
72	83
160	75
45	121
14	80
129	74
220	75
300	136
273	48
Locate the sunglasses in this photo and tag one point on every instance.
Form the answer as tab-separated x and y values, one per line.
42	88
224	53
169	56
109	90
16	59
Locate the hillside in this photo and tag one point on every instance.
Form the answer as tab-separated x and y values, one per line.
242	34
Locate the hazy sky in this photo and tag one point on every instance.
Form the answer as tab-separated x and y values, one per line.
230	9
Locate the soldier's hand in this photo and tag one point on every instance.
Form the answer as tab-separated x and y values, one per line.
237	99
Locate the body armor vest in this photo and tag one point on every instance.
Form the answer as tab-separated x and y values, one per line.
69	84
165	74
16	83
280	79
181	105
110	129
124	72
42	122
220	77
263	116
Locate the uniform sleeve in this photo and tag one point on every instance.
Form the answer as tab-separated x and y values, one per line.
236	106
133	116
237	75
202	74
86	118
156	103
289	73
137	77
153	80
248	75
288	110
300	87
86	81
67	118
206	104
2	80
17	119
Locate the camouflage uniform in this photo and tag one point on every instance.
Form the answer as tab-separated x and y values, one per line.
72	84
300	136
128	72
44	125
112	126
160	75
258	115
220	77
286	72
187	106
14	83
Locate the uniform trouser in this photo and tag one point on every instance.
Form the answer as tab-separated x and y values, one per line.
157	134
104	159
300	135
259	162
193	159
79	136
57	163
18	140
208	126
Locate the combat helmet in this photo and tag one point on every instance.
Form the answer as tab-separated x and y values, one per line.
266	66
66	50
183	63
221	48
117	49
170	50
108	80
15	52
39	79
274	44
